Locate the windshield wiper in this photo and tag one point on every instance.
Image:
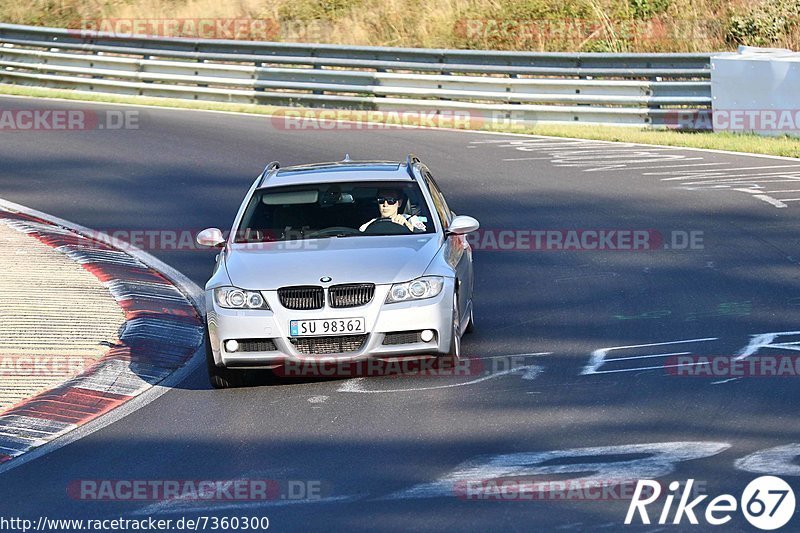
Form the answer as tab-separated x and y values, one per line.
335	235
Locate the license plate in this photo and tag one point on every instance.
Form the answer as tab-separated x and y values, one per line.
331	326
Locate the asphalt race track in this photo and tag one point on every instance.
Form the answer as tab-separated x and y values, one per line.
389	452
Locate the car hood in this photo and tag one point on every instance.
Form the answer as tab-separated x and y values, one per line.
379	260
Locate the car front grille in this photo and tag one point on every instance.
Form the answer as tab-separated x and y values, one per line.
402	337
353	295
256	345
301	297
327	345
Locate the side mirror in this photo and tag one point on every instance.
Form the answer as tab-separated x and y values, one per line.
463	224
211	237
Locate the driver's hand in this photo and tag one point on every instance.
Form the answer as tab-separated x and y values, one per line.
400	219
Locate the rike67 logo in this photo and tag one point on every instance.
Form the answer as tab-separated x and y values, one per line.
767	502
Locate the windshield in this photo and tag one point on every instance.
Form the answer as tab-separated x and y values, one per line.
335	210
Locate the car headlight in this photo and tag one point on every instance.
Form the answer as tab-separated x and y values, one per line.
233	298
416	289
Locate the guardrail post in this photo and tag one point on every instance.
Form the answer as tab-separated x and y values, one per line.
258	65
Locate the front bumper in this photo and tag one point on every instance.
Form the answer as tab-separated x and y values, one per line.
380	319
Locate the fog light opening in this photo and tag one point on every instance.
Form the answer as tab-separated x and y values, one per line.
231	345
426	335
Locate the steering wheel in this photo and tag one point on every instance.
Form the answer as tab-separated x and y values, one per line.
334	230
385	226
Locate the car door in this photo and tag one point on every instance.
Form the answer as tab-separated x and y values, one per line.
458	251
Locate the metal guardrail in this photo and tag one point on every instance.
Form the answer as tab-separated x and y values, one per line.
635	89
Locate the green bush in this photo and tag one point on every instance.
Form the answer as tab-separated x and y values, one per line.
600	45
317	9
646	9
544	9
764	25
57	13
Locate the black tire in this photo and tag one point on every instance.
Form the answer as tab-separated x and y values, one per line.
455	339
219	376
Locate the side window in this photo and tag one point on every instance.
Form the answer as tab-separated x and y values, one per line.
441	196
445	216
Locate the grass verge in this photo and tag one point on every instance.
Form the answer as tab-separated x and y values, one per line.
733	142
530	25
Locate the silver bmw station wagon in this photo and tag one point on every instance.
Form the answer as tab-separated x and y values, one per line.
346	261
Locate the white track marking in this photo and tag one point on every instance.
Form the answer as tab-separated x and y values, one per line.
733	178
549	142
598	357
607	152
513	355
728	169
593	155
536	140
195	506
646	356
660	461
777	177
661	167
778	461
772	201
530	372
764	340
751	183
621	164
642	368
189	288
527	159
317	399
724	381
597	156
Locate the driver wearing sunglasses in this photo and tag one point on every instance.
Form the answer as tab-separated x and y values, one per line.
388	206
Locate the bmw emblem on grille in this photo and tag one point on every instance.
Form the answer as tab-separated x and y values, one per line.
325	279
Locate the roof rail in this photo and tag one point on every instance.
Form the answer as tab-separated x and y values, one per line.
272	166
410	160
